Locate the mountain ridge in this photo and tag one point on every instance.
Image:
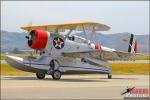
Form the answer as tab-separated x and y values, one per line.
11	40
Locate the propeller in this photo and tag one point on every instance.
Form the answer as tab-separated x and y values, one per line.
29	24
27	37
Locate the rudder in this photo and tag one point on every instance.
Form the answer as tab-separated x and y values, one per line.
125	42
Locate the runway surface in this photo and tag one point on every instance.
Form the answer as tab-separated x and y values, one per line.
70	86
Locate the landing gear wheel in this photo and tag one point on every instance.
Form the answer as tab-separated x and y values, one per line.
56	75
40	75
109	76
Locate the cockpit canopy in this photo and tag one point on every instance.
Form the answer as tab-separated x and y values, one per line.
79	33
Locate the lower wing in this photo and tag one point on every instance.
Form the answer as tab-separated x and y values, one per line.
101	54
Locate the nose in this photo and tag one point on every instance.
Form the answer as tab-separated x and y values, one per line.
15	62
14	59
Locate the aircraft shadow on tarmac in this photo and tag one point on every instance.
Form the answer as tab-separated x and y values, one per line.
121	78
50	79
67	79
82	80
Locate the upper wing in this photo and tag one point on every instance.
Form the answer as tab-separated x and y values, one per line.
51	27
101	54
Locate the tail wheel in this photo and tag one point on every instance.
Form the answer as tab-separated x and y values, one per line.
56	75
40	75
109	76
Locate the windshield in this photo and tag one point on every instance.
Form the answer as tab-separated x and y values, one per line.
71	30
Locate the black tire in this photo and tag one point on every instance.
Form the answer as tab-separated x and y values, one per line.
109	76
40	75
56	75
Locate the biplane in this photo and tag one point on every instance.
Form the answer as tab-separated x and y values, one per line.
65	49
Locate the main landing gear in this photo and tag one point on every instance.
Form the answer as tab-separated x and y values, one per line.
53	70
56	74
40	75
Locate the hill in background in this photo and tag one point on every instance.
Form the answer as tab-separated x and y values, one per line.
11	40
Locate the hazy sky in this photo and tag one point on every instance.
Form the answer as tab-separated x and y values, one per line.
121	16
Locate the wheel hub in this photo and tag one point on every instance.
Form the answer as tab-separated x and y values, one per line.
57	74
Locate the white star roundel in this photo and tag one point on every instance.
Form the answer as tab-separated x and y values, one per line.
58	43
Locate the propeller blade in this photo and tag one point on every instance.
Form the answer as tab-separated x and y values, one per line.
27	37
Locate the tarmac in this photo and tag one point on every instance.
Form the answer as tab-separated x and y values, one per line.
70	86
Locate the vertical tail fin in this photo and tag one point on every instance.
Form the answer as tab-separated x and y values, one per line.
125	42
132	44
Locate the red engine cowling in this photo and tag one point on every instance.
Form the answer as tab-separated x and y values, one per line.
38	39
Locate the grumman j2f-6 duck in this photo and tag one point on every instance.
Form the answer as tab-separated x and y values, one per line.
64	51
